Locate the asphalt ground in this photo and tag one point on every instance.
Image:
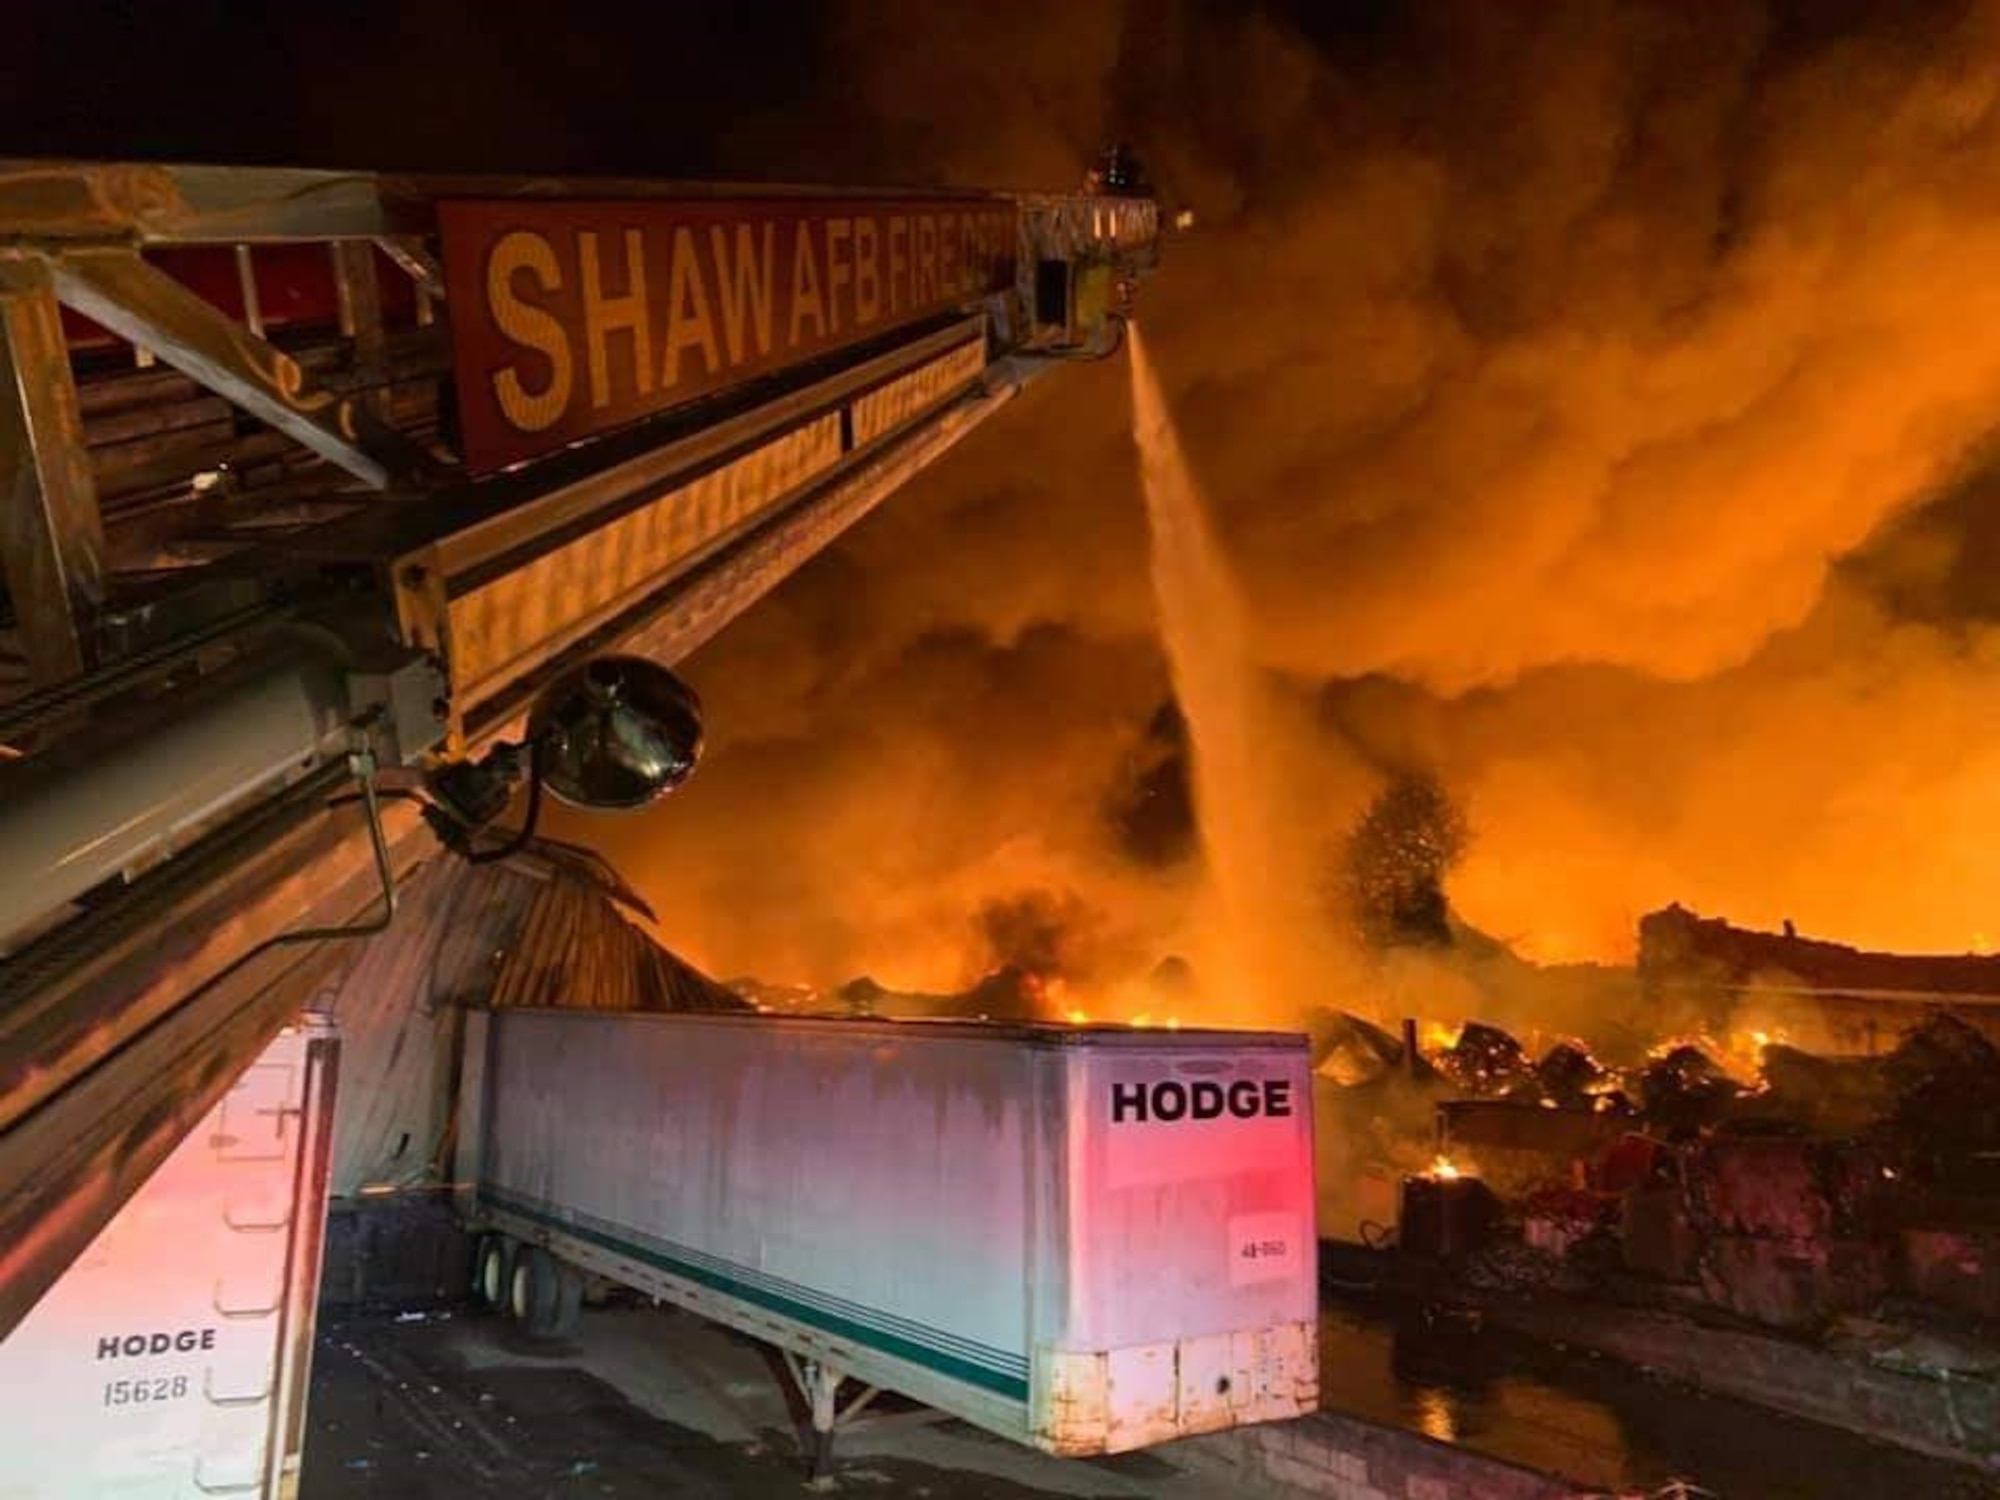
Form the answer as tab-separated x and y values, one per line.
644	1402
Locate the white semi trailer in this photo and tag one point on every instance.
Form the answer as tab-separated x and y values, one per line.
1085	1239
171	1360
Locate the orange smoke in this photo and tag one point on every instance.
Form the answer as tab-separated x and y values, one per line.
1590	405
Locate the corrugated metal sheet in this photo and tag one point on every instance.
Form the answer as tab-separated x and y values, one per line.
544	928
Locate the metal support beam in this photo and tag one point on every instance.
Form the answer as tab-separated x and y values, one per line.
537	516
114	802
189	205
246	280
694	607
51	537
417	263
141	303
361	319
194	205
426	275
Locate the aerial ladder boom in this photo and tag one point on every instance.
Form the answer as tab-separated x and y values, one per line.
314	485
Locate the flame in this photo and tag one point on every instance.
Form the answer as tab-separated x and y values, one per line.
1739	1053
1444	1169
1435	1416
1173	1023
1078	1018
1143	1019
1437	1036
1746	1048
1697	1039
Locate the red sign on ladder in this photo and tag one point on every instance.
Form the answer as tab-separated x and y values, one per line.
570	318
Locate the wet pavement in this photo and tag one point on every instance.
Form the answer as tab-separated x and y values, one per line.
1597	1421
646	1402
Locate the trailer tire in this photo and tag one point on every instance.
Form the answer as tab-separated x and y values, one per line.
568	1312
493	1279
536	1292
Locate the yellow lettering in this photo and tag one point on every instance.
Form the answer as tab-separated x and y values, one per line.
839	268
806	299
688	322
530	326
899	261
603	316
926	259
744	286
867	274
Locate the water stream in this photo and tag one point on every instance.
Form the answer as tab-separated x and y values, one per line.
1258	884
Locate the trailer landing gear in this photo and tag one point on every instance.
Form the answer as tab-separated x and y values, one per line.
820	1384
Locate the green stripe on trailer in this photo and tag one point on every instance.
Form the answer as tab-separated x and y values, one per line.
901	1346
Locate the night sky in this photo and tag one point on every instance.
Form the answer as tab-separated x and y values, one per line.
452	85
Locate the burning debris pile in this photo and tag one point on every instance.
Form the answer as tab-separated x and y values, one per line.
1012	992
1007	994
1748	1176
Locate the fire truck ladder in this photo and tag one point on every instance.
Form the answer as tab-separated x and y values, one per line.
250	571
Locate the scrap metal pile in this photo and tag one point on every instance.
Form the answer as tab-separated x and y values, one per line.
1782	1187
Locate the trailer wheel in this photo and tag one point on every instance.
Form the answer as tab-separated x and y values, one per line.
495	1278
537	1292
568	1311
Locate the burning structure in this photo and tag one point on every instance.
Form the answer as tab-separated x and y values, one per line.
1843	1199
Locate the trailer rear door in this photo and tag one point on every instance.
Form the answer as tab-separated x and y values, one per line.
171	1359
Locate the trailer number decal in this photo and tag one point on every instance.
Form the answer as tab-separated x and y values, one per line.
150	1390
145	1392
1263	1247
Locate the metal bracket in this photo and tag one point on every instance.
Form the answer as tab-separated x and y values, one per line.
51	536
141	303
423	620
416	262
360	296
